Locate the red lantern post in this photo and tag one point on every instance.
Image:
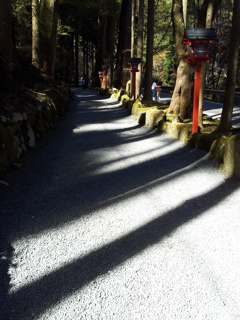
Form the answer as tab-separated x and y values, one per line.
198	40
134	62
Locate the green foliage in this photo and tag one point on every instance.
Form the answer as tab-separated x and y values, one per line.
170	66
81	17
45	18
22	21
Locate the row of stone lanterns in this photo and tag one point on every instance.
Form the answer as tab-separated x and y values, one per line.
103	75
198	41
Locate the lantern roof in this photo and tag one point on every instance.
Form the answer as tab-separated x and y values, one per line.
135	60
200	34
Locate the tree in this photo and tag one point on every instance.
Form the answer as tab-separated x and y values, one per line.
202	24
35	33
48	35
107	34
228	103
147	97
206	17
124	44
181	103
6	39
133	47
184	5
76	43
139	44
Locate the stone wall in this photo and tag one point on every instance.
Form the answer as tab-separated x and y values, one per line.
21	126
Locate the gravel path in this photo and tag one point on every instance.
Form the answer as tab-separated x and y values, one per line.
107	220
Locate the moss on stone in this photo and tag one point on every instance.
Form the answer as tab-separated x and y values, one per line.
203	141
153	116
137	104
181	131
124	98
184	131
172	117
115	94
128	105
142	118
226	151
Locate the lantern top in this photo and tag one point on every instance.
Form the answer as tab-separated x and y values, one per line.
199	34
135	60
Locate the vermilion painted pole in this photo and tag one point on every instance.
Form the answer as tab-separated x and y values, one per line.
134	85
196	98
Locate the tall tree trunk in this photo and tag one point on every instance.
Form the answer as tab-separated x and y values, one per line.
133	11
185	2
35	33
147	97
107	36
207	24
124	45
228	103
87	61
48	35
139	45
93	62
6	39
76	42
70	59
207	14
84	53
133	48
181	103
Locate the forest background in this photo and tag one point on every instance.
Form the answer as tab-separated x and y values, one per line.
64	40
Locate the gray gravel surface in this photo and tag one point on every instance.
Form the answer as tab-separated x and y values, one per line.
107	220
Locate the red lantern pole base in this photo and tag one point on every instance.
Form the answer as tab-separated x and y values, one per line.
134	85
196	98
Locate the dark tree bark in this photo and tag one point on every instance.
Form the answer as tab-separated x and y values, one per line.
6	44
76	42
107	32
181	103
133	47
124	45
48	35
182	98
147	97
35	33
228	103
207	14
139	44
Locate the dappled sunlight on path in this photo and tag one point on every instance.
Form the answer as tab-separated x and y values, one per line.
123	223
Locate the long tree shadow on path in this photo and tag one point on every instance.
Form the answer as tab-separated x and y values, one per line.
35	298
42	294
